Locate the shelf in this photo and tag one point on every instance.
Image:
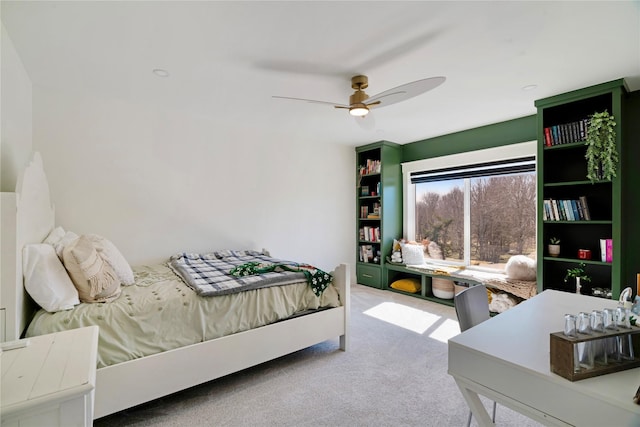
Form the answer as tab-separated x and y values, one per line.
572	183
448	302
576	260
581	222
577	144
377	264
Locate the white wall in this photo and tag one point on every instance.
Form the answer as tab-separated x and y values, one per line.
15	113
157	181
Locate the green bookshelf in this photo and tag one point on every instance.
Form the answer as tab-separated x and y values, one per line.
562	176
379	208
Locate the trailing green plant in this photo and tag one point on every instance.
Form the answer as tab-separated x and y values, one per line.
578	272
602	154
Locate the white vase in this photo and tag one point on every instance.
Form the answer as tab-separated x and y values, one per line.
554	250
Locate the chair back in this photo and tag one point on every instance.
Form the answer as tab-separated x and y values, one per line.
472	306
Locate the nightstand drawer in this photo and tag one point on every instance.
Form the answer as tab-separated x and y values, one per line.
370	275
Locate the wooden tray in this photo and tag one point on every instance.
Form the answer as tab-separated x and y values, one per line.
562	350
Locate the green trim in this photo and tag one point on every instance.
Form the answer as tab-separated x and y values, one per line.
579	94
495	135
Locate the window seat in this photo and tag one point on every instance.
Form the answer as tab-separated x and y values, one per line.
519	288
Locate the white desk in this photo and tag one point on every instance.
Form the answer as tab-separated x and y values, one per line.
506	358
51	381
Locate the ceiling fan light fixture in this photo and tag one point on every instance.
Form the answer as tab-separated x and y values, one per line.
359	110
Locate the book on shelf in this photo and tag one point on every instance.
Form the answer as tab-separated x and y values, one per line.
370	166
364	190
585	208
606	250
366	253
371	234
566	209
565	133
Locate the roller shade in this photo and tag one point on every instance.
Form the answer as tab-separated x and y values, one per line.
502	167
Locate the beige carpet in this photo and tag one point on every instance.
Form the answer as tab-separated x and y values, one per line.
395	374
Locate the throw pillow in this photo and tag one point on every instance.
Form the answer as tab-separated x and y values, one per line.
412	285
520	267
93	277
55	236
59	245
114	257
46	280
412	254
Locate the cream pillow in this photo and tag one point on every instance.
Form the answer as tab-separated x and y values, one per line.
46	280
114	257
55	236
93	277
521	267
59	245
412	254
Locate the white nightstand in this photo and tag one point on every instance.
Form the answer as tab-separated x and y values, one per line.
51	381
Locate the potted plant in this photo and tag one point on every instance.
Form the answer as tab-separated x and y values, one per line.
554	247
579	274
602	154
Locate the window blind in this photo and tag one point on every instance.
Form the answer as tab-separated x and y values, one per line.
502	167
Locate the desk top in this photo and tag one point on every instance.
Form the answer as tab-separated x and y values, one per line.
514	347
52	367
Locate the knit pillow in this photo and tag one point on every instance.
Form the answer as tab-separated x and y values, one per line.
93	277
112	255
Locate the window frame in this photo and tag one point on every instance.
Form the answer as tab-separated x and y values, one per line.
465	159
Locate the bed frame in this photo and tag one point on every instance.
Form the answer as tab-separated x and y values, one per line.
28	217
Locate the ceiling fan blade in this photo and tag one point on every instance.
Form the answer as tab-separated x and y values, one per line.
313	101
406	91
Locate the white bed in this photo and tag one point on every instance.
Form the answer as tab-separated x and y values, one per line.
28	217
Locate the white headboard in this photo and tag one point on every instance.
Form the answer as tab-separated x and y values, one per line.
27	216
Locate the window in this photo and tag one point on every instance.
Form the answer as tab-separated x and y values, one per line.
479	208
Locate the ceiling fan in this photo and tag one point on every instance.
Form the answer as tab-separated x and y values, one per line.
360	103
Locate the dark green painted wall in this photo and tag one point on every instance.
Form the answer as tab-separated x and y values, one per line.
495	135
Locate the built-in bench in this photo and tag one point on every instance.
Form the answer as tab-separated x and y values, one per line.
462	276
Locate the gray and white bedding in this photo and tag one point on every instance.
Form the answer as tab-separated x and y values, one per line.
160	312
208	274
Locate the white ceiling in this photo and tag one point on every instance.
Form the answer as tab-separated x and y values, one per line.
227	59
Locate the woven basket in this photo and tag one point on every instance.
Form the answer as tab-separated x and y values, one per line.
442	288
458	288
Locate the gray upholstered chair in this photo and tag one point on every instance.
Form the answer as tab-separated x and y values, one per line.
472	308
